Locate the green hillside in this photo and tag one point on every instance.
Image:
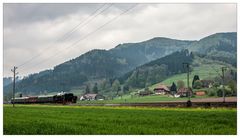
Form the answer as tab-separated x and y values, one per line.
204	72
205	69
157	70
134	65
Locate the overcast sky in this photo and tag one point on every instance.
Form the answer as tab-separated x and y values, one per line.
35	31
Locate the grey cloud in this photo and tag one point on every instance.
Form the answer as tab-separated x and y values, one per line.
31	28
25	13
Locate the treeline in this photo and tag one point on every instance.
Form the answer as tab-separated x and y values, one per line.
158	70
95	64
220	46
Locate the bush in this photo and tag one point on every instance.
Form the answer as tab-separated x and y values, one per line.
197	84
212	92
226	92
216	84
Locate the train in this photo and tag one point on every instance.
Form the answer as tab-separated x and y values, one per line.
63	98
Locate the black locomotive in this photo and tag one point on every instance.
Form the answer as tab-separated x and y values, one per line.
63	98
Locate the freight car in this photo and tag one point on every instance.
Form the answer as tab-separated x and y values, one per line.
63	98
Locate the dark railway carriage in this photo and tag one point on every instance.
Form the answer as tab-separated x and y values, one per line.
45	99
63	98
21	100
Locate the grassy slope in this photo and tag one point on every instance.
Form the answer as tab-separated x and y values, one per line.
36	119
206	69
204	72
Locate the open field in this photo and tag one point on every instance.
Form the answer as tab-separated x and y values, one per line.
43	119
204	71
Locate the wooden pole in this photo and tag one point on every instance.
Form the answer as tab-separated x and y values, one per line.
14	84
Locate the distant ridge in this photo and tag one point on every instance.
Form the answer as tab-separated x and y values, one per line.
99	64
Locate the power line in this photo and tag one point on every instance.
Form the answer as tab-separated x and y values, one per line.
92	16
66	35
86	36
73	29
90	19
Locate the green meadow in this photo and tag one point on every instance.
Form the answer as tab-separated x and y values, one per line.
83	120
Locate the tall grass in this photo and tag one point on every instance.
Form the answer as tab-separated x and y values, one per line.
37	119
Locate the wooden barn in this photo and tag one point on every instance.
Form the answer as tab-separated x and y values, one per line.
90	97
161	89
183	92
207	83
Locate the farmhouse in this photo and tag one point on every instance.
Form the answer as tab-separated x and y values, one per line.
161	89
90	97
144	93
183	92
207	83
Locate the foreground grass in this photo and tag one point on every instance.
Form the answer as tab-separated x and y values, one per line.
40	119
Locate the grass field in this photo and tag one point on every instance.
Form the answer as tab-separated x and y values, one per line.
204	72
43	119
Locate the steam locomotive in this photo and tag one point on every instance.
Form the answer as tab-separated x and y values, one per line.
63	98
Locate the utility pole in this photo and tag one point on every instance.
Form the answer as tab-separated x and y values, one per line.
223	70
188	88
14	81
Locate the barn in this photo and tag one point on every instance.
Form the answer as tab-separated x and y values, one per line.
183	92
91	96
161	89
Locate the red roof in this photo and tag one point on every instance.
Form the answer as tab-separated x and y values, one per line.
161	87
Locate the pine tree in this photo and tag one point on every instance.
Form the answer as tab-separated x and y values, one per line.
116	86
173	88
195	78
95	88
87	90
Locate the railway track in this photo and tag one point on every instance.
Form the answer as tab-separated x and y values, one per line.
231	102
171	104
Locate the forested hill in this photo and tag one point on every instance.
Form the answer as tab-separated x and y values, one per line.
158	70
99	64
139	53
219	46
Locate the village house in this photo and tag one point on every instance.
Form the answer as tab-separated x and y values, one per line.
90	97
207	83
144	93
183	92
161	89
